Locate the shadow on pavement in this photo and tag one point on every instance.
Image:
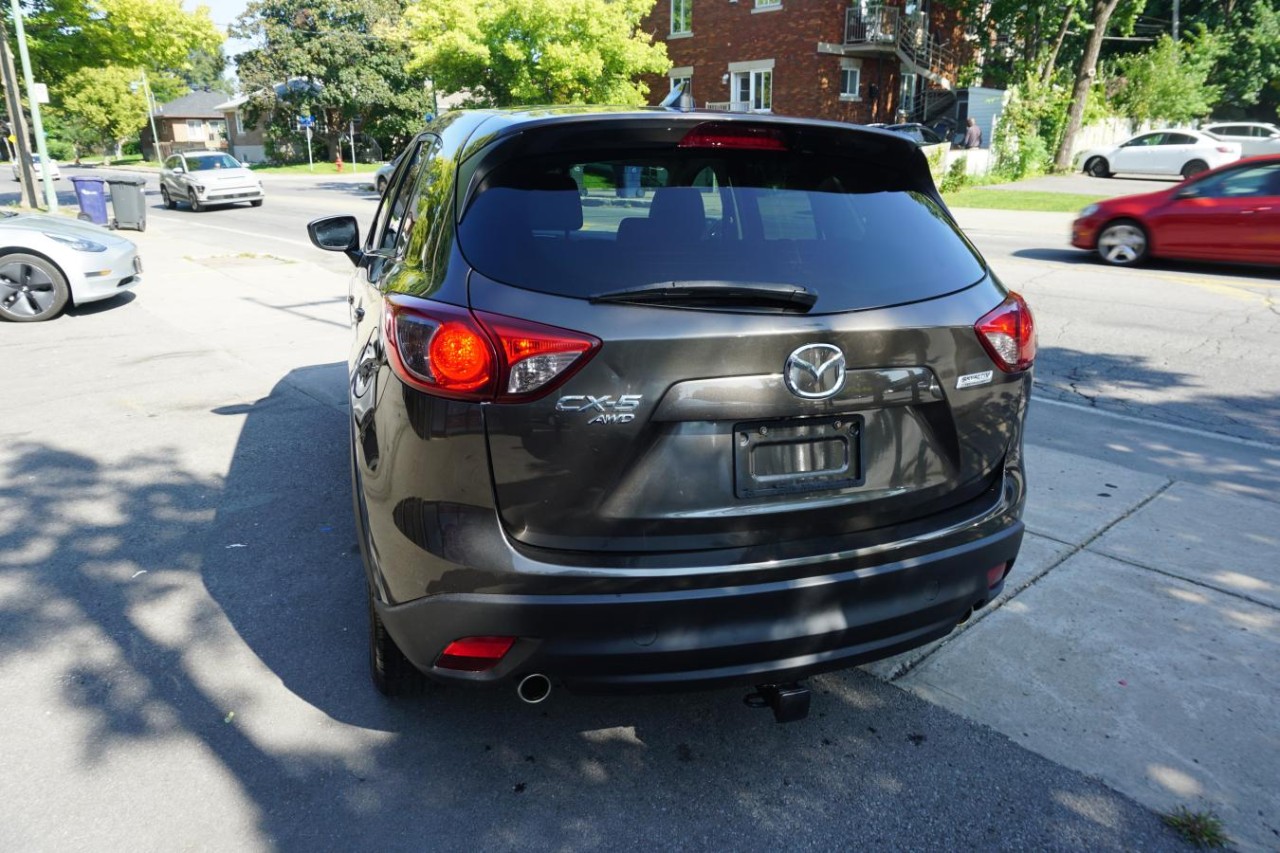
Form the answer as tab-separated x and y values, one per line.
1080	256
273	546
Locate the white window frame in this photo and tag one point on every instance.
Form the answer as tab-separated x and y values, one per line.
675	75
854	66
240	131
767	5
758	76
197	129
684	13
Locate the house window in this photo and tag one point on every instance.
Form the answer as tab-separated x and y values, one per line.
850	80
768	4
907	97
681	17
753	91
196	129
681	75
239	123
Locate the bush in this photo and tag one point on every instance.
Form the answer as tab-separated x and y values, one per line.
956	176
59	150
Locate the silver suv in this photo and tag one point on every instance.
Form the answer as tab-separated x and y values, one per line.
206	178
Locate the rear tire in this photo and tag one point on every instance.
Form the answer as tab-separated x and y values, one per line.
1098	167
1123	243
257	202
1195	167
32	289
391	672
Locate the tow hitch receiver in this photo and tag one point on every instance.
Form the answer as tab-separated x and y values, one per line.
790	702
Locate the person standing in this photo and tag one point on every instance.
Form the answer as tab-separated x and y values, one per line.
972	134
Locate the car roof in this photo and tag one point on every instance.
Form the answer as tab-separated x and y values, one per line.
489	124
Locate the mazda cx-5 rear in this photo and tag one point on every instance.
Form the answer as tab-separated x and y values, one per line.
650	400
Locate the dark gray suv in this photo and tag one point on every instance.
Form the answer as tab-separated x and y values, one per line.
648	400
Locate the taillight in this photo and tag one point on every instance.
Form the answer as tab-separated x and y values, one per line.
475	654
536	358
452	352
714	134
1008	333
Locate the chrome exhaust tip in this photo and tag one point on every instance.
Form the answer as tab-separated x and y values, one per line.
534	688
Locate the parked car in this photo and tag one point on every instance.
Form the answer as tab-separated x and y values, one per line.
204	179
764	422
1161	152
1229	214
926	138
1254	138
383	176
49	262
37	169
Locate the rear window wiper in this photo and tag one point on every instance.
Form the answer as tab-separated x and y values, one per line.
719	293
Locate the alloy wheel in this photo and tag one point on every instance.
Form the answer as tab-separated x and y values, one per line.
1122	244
26	290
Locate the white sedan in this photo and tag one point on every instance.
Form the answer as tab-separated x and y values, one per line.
206	178
48	262
37	169
1162	152
1255	138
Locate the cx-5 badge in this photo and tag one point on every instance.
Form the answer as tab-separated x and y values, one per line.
607	409
815	371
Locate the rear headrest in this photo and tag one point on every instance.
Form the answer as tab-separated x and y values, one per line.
557	206
678	210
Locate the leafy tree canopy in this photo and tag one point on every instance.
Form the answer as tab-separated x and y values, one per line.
507	52
1169	82
102	103
348	58
65	36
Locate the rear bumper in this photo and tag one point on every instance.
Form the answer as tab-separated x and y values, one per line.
714	637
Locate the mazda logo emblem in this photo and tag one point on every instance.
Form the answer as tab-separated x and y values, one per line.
815	371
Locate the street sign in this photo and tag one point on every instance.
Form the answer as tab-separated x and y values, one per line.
306	121
40	92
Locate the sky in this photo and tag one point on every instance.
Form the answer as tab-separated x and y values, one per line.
224	13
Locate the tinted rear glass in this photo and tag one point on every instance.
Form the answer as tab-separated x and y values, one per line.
580	226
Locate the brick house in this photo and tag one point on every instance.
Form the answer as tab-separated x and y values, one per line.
188	123
872	61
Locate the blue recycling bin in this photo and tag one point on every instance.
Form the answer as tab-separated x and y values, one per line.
91	194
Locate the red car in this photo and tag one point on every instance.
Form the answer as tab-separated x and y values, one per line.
1230	214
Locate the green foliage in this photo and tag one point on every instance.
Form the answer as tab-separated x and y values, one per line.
345	60
1248	69
508	52
1031	124
1169	82
98	107
1204	829
956	177
65	36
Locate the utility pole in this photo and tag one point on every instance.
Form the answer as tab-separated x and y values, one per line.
50	196
1175	20
151	114
17	121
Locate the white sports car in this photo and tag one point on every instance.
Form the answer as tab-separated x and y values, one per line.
1161	152
48	262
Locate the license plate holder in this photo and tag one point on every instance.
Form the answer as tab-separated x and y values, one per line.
797	455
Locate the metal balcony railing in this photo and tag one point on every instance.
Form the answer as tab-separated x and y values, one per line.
876	23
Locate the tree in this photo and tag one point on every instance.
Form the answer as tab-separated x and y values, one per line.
346	59
1249	66
1170	81
1100	12
65	36
506	52
101	102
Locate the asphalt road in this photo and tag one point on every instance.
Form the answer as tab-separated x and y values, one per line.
181	624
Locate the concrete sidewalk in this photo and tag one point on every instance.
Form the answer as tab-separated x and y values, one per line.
1137	639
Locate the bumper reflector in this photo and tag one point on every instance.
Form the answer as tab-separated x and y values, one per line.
475	654
995	574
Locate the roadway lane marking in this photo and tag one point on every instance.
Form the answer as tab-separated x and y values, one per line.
1144	422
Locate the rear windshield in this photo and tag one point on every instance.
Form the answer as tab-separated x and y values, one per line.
578	226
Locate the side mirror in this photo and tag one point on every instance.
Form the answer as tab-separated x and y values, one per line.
178	170
337	234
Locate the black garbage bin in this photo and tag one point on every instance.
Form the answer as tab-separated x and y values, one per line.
128	204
